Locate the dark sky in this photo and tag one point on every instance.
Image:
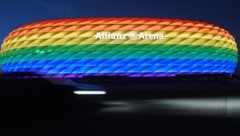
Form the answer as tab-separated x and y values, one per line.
224	13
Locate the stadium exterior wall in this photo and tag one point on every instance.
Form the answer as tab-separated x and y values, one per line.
132	47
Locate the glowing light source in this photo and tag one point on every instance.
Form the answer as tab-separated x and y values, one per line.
89	92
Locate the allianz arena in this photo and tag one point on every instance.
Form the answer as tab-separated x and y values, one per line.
132	47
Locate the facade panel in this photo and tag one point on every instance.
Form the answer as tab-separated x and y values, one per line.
119	46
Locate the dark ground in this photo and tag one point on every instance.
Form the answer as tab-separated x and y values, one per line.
130	109
136	117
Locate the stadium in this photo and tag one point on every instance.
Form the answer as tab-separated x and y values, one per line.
132	47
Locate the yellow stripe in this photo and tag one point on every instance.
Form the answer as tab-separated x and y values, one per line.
70	41
227	43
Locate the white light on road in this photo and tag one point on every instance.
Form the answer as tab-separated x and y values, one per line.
86	92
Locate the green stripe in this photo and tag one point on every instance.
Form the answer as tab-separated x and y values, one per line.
115	54
118	47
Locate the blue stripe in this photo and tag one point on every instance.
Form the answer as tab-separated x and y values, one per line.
128	66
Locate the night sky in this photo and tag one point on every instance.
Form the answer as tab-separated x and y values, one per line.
14	13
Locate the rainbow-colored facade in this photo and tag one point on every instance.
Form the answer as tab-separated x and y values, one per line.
89	47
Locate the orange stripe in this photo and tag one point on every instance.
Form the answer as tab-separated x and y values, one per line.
116	27
117	24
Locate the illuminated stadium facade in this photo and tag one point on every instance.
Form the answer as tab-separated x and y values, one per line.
119	47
